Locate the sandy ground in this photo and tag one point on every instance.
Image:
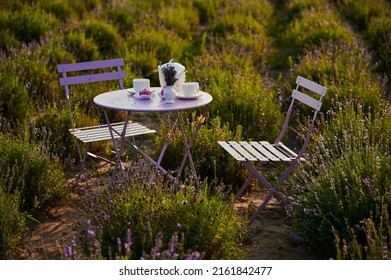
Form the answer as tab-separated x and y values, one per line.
270	236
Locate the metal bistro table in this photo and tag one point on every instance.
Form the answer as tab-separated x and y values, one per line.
122	100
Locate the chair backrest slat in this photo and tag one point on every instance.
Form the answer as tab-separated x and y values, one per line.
308	100
95	71
100	77
90	65
319	89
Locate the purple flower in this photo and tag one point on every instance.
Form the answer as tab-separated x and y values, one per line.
68	252
368	184
105	215
193	256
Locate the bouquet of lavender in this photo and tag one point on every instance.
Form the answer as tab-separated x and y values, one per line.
169	74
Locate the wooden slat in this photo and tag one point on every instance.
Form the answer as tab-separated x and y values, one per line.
264	151
287	150
308	84
82	66
92	78
242	151
253	151
231	151
103	133
308	100
274	151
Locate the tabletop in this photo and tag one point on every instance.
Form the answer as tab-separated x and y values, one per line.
124	101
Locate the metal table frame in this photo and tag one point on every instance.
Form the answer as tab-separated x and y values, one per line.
121	100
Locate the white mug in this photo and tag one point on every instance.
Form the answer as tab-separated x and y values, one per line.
190	88
140	84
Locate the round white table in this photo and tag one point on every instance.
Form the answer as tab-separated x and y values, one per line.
122	100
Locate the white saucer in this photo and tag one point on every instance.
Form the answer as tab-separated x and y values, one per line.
194	96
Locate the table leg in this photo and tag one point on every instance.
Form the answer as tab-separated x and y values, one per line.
118	162
163	151
188	145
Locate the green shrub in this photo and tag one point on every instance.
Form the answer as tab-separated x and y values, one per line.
27	168
362	11
14	102
149	48
241	96
314	26
29	24
209	224
346	72
84	49
105	37
207	10
182	20
369	240
12	225
209	159
347	179
379	34
296	7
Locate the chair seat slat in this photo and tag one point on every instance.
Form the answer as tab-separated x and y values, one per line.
286	150
242	151
264	151
231	151
274	151
103	133
253	151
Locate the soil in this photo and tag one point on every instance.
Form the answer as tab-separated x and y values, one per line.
269	237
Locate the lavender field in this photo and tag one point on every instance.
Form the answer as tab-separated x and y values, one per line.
247	55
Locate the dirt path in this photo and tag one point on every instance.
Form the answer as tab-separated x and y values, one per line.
269	237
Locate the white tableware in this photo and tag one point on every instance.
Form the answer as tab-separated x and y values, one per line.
190	88
180	74
131	92
140	84
194	96
161	93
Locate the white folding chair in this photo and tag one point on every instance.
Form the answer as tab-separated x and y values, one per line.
91	72
253	154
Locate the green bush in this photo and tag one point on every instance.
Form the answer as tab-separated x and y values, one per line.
27	169
207	10
105	37
346	72
149	48
209	159
182	20
362	11
81	47
29	24
208	223
241	96
14	104
373	242
314	26
347	179
12	225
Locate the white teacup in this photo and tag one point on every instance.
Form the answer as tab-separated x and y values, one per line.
140	84
190	88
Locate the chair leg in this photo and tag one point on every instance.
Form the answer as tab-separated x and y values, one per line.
82	161
261	179
273	191
245	185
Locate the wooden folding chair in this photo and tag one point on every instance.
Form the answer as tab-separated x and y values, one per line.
253	154
91	72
